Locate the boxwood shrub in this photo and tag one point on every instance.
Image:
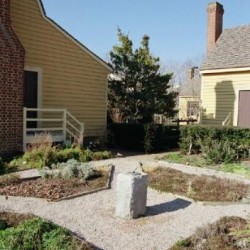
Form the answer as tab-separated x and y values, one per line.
147	138
196	138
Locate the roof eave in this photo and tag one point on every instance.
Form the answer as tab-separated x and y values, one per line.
226	70
70	37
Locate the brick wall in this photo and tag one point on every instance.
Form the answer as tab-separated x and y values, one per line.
215	13
11	84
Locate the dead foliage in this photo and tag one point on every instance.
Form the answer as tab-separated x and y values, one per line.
201	188
50	189
217	236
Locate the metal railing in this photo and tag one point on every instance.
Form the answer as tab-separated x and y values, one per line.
228	120
58	122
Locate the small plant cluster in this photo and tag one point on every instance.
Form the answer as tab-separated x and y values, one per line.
37	233
72	169
148	137
41	157
217	144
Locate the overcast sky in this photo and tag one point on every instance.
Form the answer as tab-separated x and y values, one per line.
177	28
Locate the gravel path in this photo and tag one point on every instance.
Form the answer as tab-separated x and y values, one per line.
169	218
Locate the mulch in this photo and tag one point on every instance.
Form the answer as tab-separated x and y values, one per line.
50	189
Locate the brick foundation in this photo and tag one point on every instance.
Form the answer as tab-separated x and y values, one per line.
11	84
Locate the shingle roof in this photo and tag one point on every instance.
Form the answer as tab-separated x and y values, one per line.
191	88
232	50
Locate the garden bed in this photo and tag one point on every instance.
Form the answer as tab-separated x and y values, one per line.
54	189
229	233
196	160
200	188
25	232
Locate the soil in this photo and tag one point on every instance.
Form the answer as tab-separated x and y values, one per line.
13	219
50	189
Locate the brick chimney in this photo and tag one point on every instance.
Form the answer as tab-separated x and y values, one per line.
215	13
190	73
11	84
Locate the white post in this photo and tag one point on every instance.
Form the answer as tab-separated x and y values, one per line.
161	119
64	124
24	127
81	133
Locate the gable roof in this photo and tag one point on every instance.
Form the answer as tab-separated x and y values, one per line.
191	88
74	40
232	50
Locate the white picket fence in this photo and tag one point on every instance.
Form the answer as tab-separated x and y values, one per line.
58	122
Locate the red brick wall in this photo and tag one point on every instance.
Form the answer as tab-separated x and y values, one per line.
215	13
11	84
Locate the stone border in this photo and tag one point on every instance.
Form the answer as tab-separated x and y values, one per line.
107	186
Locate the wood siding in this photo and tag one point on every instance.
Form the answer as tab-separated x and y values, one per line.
183	106
71	78
220	95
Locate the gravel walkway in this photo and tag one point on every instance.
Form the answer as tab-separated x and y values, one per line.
169	218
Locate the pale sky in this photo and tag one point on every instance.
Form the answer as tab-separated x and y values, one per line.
177	28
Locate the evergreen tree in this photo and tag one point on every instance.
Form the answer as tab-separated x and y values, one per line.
137	89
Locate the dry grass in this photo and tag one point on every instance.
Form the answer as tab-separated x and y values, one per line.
203	188
44	140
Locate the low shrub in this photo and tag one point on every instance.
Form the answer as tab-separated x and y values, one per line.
218	144
74	169
38	234
126	136
101	155
42	156
215	152
1	166
68	153
152	138
143	137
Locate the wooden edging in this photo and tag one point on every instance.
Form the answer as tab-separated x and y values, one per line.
107	186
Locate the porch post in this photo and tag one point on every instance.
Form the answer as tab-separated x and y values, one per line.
64	125
24	127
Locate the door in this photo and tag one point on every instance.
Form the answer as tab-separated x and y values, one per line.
244	109
31	95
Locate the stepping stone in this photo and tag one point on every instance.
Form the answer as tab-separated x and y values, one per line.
28	174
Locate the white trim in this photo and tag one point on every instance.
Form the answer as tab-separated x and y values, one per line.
201	98
71	39
213	71
39	83
236	102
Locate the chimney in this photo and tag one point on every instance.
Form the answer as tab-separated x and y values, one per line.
5	12
215	13
190	73
11	81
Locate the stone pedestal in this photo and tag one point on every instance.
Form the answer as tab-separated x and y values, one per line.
131	197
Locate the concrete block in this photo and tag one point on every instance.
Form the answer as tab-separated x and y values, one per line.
131	197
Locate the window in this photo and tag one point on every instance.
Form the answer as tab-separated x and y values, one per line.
192	109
